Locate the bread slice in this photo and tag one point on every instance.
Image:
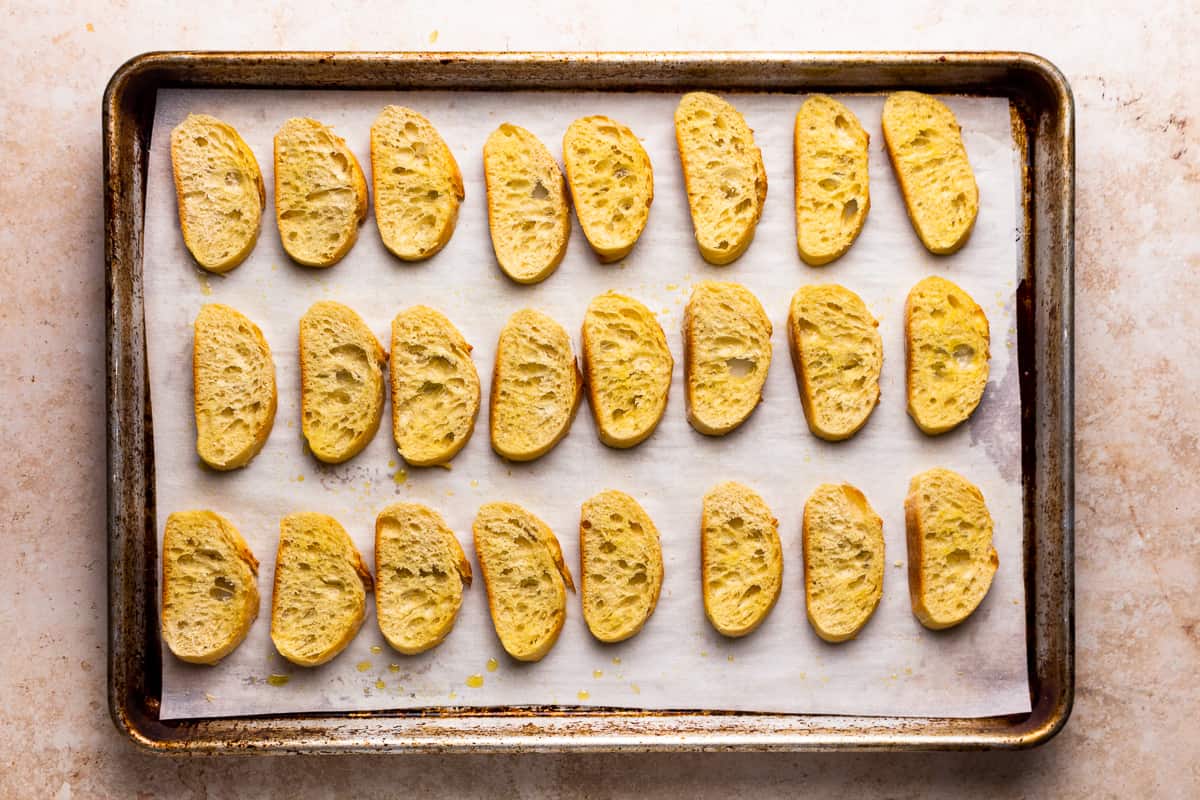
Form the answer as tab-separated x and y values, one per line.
435	388
210	587
418	186
741	561
233	376
536	387
220	192
527	204
420	574
627	367
951	560
832	191
843	561
612	184
724	175
837	354
526	579
924	142
621	568
341	381
320	193
726	355
946	346
321	587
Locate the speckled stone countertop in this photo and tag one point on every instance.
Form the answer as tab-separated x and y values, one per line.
1135	731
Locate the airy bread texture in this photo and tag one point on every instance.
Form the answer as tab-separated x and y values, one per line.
622	569
741	560
321	587
612	184
417	184
341	381
536	387
233	376
924	142
832	191
946	347
726	355
210	587
843	561
837	354
628	367
724	174
435	388
220	192
527	204
525	576
420	574
951	560
320	193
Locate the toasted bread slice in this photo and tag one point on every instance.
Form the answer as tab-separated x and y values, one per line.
924	143
527	204
837	354
724	175
843	561
832	191
526	579
210	587
621	568
233	376
435	388
420	574
418	186
321	587
741	560
320	193
951	560
726	354
946	346
627	367
341	381
612	184
536	387
220	192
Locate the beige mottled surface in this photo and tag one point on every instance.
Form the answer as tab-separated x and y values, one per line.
1135	730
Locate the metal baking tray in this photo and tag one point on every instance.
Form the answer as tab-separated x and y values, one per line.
1043	120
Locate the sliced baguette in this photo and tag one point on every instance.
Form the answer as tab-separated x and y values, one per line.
741	560
924	143
526	579
843	561
832	190
627	367
951	560
233	377
621	567
420	574
210	587
219	189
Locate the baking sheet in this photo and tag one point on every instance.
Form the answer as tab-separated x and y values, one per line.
894	667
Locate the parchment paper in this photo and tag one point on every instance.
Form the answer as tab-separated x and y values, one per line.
894	667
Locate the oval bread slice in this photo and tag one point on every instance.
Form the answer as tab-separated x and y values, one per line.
612	184
627	366
951	561
420	574
621	568
210	587
233	376
924	143
832	190
727	352
946	344
843	561
526	579
321	587
220	192
341	381
741	559
527	204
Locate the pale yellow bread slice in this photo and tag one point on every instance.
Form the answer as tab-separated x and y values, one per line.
621	569
832	191
741	560
843	561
